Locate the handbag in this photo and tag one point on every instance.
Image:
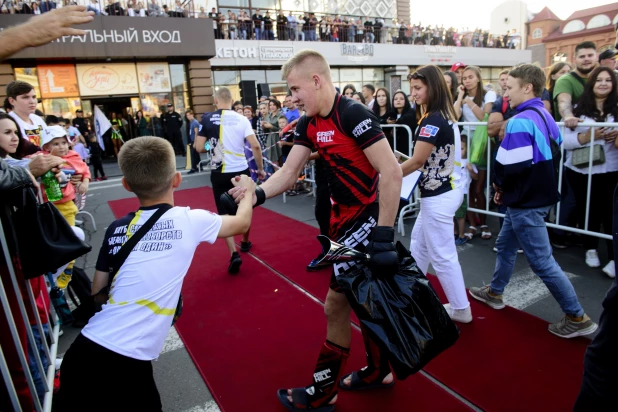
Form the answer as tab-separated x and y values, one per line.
121	256
581	157
478	145
45	240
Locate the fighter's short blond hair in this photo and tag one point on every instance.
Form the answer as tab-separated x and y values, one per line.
148	166
303	57
224	95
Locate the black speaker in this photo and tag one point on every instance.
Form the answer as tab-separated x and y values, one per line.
263	89
247	93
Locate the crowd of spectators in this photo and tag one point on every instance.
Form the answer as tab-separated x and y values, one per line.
282	25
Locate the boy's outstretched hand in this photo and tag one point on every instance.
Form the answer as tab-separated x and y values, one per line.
242	185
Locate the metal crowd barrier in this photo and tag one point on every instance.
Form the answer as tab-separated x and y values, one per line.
50	351
410	210
490	160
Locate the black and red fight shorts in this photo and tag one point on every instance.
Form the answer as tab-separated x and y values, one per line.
350	226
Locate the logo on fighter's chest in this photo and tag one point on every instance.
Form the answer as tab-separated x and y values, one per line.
325	137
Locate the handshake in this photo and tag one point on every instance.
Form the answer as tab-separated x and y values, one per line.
243	186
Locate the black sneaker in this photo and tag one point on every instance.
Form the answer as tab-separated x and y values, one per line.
245	246
235	262
316	264
558	242
190	172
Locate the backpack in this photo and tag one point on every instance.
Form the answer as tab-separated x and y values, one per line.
80	292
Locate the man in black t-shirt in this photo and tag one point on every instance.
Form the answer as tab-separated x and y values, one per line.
257	24
268	27
80	123
355	153
172	121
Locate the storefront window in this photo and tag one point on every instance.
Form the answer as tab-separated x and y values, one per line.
233	3
29	75
350	75
179	77
223	77
64	108
273	76
258	75
263	4
372	75
334	74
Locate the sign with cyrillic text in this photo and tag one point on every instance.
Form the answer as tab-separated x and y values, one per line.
107	80
115	36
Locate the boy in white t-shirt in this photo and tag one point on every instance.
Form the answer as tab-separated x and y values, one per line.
469	172
108	366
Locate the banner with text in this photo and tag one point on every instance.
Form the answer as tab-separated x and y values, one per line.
115	36
57	81
107	80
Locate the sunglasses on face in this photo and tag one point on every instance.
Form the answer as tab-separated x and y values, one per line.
416	75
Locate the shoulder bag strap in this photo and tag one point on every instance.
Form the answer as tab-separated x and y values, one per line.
119	258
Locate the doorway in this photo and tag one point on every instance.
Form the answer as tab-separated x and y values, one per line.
122	107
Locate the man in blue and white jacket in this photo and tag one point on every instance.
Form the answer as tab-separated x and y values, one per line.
526	182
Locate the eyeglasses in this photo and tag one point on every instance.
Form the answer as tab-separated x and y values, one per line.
416	75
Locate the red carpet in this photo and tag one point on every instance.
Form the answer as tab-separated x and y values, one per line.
254	333
504	361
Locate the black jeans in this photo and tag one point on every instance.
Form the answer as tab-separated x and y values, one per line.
600	205
598	390
195	157
175	138
95	378
97	166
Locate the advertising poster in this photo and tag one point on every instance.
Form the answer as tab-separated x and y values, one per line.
154	77
107	80
57	81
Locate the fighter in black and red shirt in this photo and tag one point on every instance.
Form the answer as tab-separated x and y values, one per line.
358	161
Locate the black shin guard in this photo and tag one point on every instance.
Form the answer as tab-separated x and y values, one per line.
377	363
327	374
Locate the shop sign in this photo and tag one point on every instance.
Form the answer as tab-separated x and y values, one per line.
57	81
357	52
154	77
276	53
106	80
115	36
440	49
237	52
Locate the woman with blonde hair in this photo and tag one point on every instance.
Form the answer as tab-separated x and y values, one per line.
437	153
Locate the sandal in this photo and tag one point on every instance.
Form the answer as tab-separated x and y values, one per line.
358	384
485	233
300	401
472	231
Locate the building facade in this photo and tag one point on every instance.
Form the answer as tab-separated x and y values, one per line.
122	64
383	65
555	39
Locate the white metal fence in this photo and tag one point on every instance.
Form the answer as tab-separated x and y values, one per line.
488	187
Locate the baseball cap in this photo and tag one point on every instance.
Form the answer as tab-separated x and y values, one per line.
52	132
607	54
170	105
79	111
458	65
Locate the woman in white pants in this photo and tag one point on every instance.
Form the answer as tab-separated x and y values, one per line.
437	153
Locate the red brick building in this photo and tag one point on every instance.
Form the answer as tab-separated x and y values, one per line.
552	39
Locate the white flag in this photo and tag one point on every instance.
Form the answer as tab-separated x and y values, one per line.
101	125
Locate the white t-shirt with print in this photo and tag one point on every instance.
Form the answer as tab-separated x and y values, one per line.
31	132
466	179
469	116
137	317
226	131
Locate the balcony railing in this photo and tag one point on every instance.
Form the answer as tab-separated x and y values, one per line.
326	28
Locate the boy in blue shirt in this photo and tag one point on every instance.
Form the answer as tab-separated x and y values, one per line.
194	128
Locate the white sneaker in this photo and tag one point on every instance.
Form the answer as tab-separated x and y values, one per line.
610	269
592	258
459	315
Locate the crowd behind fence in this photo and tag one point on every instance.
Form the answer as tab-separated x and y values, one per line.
286	25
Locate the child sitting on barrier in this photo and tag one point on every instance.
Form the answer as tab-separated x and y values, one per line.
110	361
